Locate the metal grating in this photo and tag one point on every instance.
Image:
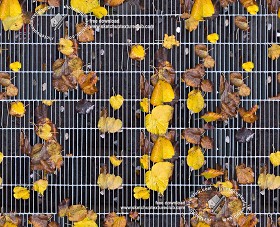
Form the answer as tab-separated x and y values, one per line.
108	57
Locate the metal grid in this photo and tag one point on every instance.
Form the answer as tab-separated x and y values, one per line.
107	55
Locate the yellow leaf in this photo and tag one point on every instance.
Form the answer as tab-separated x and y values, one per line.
44	131
40	186
100	12
195	158
269	181
66	46
211	116
84	6
116	101
201	9
170	41
47	102
21	193
274	50
225	188
248	66
11	15
9	224
213	38
212	173
253	9
162	92
115	161
87	222
15	66
163	149
1	157
274	158
157	122
145	105
141	193
145	161
202	224
157	178
279	13
109	181
77	212
191	24
137	52
109	124
17	109
195	101
41	9
1	181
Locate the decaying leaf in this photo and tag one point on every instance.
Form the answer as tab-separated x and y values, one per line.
10	220
170	41
164	71
113	220
212	173
249	220
85	33
145	88
88	82
145	161
206	85
225	3
157	178
40	186
201	50
236	79
55	3
207	142
162	93
115	161
244	135
134	215
157	121
116	101
251	6
11	15
241	22
141	193
273	157
209	62
63	207
113	3
193	135
192	77
137	52
76	213
163	149
274	51
21	193
250	115
268	181
145	144
109	181
244	90
248	66
11	90
211	116
42	220
84	107
195	158
195	101
245	175
213	38
17	109
5	79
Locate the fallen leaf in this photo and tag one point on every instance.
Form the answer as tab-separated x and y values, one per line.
170	41
134	215
195	101
45	131
40	220
192	77
55	3
207	142
191	24
47	102
273	157
1	157
85	222
245	175
137	52
145	87
249	220
145	161
145	144
40	186
163	149
209	62
17	109
109	124
193	135
15	66
225	188
251	6
236	79
244	135
248	66
206	85
244	90
88	83
84	33
11	15
66	46
241	22
157	178
141	193
201	50
211	116
109	181
212	173
213	38
116	101
76	213
274	51
21	193
163	92
113	3
145	105
63	207
84	107
157	121
195	158
113	220
115	161
5	79
100	12
84	6
250	115
225	3
11	90
201	9
41	9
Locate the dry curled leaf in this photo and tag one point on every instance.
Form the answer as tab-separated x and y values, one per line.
211	116
134	215
236	79
249	220
207	142
63	207
206	85
274	51
88	82
241	22
113	220
170	41
244	135
145	88
209	62
193	135
212	173
40	220
245	175
85	33
55	3
225	3
84	107
76	212
164	72
201	50
5	79
244	90
113	3
11	90
250	115
251	6
192	77
145	144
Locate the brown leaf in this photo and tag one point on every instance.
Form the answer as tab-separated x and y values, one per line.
12	218
12	90
241	22
25	146
273	6
3	95
63	207
225	3
277	97
201	50
5	79
209	62
193	135
145	144
53	224
88	83
164	71
113	220
207	85
245	175
76	213
207	142
86	33
145	88
55	3
249	220
236	79
133	214
170	135
278	77
244	90
250	115
39	220
192	77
